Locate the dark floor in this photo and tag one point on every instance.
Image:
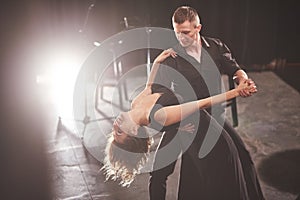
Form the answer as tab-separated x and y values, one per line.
268	123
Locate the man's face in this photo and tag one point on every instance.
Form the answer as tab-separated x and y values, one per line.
187	32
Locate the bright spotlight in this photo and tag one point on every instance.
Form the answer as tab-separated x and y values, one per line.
58	79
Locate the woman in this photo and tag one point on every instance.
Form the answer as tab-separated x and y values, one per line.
157	107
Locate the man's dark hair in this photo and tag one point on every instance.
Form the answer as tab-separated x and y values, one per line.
185	13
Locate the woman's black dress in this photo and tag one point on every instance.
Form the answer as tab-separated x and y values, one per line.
217	176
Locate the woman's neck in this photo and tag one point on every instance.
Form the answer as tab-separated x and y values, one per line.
139	116
141	111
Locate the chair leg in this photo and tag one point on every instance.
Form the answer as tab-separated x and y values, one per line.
101	92
234	114
125	90
120	97
233	105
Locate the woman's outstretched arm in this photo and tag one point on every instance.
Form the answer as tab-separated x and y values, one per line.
172	114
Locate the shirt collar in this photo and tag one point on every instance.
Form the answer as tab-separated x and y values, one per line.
204	42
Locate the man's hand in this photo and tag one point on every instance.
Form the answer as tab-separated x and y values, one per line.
241	77
246	88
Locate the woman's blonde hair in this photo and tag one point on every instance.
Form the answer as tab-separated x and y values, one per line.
123	161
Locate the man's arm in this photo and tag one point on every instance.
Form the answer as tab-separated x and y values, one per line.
240	76
230	65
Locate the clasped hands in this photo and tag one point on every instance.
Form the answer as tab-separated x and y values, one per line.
246	88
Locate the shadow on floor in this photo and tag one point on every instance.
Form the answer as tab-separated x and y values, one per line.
281	170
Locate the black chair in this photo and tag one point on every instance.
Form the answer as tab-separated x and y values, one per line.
232	103
112	78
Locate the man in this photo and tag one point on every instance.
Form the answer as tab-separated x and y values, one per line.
193	59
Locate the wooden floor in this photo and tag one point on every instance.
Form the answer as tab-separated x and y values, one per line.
268	124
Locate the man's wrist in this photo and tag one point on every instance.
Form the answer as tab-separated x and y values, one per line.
240	76
241	80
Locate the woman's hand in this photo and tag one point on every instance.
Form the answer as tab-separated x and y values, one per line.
190	128
160	58
246	88
165	54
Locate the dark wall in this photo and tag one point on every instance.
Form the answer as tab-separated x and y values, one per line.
256	31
